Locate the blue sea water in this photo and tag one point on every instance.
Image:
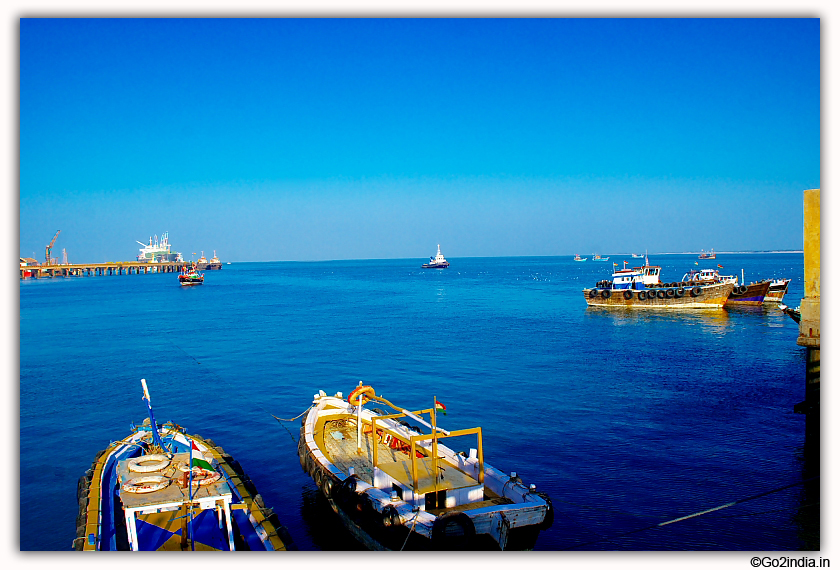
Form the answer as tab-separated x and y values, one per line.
625	418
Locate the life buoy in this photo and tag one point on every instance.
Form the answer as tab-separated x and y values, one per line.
593	293
361	395
628	294
200	478
148	463
696	291
147	484
642	295
605	293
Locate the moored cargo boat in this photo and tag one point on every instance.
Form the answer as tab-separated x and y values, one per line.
162	489
636	288
742	294
397	488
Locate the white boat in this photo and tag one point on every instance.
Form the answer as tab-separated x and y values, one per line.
396	487
156	251
636	255
579	258
599	258
437	262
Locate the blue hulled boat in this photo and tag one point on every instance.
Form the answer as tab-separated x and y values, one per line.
162	489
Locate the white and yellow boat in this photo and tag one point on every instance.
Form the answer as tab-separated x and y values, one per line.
162	489
396	487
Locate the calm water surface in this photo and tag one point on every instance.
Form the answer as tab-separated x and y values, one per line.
625	418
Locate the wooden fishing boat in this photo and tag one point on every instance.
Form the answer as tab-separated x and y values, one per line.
579	258
162	489
395	487
776	292
707	254
635	288
742	294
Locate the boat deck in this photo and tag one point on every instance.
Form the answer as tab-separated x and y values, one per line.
340	448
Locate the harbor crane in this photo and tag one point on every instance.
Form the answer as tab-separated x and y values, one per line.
49	247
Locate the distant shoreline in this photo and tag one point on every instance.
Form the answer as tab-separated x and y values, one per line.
523	256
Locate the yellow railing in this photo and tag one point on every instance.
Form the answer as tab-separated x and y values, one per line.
414	439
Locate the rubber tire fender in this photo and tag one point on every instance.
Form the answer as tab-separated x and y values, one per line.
660	293
628	294
549	513
696	292
390	517
605	293
453	531
680	291
593	293
642	295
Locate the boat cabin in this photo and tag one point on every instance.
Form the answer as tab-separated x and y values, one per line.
709	276
628	279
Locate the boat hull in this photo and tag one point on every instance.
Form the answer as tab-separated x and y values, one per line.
101	524
661	298
749	295
776	292
379	522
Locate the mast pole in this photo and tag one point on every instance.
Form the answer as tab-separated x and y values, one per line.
434	444
148	400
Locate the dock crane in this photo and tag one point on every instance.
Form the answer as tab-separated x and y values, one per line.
49	247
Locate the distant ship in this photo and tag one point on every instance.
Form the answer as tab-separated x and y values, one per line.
437	262
707	255
579	258
156	251
214	262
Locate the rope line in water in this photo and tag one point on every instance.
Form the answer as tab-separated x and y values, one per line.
217	377
697	514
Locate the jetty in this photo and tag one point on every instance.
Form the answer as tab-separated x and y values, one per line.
106	268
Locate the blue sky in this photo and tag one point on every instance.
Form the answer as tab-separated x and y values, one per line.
287	139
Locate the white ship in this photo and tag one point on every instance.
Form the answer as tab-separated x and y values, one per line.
156	251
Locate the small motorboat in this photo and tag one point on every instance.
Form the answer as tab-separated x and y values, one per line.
395	486
162	489
579	258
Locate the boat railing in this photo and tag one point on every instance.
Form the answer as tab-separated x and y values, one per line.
414	440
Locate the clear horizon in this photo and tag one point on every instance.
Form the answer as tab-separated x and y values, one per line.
330	139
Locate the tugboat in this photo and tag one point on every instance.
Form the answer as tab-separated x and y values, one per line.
437	262
190	275
396	487
162	489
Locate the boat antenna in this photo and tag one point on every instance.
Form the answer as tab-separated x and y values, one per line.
148	401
